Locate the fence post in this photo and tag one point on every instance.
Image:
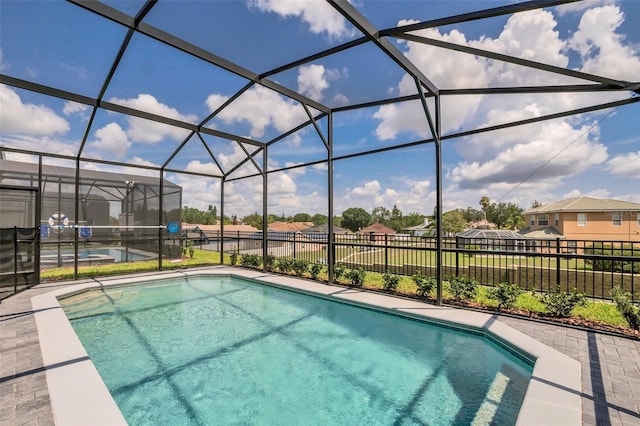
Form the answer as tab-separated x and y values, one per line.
294	245
386	252
558	261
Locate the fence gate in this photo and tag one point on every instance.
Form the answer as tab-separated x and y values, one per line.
19	239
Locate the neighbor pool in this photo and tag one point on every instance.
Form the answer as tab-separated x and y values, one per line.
224	350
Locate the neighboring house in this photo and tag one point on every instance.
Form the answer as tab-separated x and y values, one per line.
482	224
377	232
584	218
420	230
320	232
289	226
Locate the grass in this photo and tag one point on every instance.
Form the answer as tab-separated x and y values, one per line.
595	310
200	258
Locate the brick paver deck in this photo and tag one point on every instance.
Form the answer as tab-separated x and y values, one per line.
610	367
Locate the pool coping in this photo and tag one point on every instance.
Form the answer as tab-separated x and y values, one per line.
79	396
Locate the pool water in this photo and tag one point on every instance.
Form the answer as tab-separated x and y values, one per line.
223	350
118	254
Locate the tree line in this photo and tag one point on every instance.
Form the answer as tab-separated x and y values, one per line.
502	215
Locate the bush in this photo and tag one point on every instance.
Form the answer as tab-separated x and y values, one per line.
356	276
560	303
271	262
235	255
390	281
626	307
610	265
506	294
251	260
463	288
424	285
338	271
284	265
315	270
300	266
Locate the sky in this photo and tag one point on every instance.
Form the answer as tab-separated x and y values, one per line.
597	154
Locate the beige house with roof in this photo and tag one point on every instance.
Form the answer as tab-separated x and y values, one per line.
584	218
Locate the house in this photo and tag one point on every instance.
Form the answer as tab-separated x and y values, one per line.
424	229
289	226
377	232
584	218
320	232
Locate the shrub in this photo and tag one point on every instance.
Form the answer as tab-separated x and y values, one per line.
284	265
629	310
506	294
188	249
560	303
424	285
251	260
300	266
271	262
610	265
356	276
463	288
390	281
234	257
338	271
315	270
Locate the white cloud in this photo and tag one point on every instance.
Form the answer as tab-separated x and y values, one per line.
147	131
524	155
71	107
408	194
627	165
113	139
581	5
262	108
28	119
500	159
319	15
312	81
199	167
601	47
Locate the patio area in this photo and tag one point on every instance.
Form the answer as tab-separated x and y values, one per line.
610	366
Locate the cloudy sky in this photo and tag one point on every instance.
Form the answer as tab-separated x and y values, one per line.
597	154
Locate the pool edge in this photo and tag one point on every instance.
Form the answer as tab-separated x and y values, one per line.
78	393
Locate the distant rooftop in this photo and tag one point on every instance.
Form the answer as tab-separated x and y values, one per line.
586	204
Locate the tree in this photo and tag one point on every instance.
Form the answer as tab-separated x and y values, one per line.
355	218
302	217
453	222
319	219
536	204
505	215
472	215
412	219
380	214
485	203
254	220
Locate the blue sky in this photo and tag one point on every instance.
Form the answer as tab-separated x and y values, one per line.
598	154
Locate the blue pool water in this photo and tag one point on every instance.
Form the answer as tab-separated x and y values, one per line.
220	350
118	254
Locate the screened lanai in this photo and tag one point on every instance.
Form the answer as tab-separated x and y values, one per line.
262	106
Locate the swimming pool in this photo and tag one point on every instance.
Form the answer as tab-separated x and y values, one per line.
223	350
78	394
93	256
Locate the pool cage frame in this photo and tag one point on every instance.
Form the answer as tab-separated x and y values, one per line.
382	40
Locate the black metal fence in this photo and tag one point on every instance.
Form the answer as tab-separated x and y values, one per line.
591	267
